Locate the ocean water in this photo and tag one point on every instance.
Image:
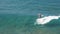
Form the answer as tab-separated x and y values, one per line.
15	24
19	16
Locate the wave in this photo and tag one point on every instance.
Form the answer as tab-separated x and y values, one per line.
46	19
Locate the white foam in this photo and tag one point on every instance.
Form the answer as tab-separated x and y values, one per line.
46	19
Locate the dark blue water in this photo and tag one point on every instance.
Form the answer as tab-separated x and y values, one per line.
19	16
30	7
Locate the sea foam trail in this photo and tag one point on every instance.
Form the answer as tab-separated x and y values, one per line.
46	19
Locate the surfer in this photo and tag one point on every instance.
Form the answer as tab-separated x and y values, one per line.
40	15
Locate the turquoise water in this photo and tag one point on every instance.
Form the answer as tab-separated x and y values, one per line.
16	24
19	16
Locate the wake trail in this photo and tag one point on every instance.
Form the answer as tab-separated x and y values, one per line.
46	19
